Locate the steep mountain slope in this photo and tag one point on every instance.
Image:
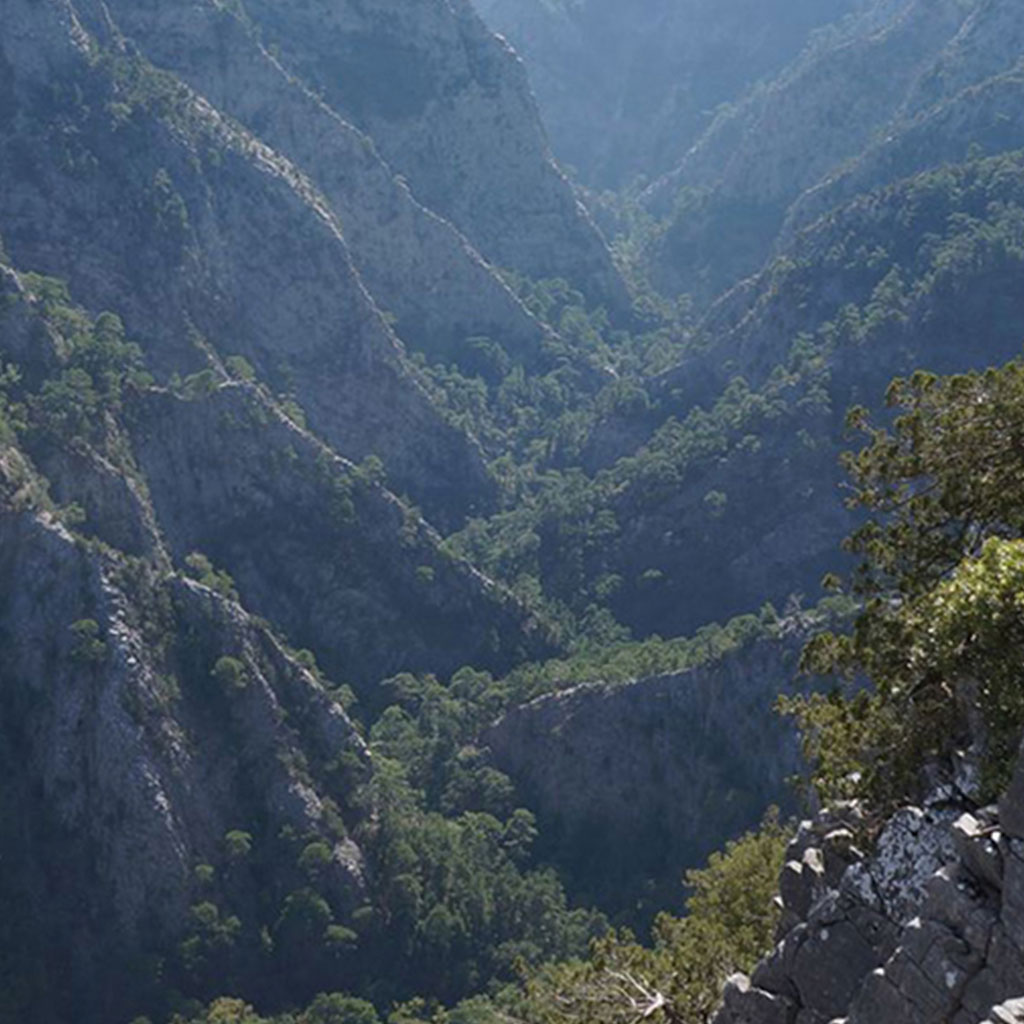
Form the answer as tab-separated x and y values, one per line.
917	75
626	89
893	282
199	808
417	267
449	108
127	128
734	497
148	201
316	544
172	757
143	720
320	228
916	254
630	780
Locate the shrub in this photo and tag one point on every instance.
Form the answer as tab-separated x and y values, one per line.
237	844
87	647
230	673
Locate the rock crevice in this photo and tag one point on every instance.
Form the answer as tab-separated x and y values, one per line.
928	928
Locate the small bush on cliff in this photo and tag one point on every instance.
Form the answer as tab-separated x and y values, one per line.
230	673
11	413
200	568
87	645
98	362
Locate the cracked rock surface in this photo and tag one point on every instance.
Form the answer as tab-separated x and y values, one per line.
928	928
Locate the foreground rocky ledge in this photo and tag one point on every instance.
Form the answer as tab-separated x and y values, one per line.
928	929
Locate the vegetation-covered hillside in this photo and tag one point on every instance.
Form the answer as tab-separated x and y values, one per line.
398	571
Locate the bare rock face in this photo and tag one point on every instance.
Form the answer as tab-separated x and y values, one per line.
415	264
1010	1012
117	723
639	780
233	185
928	928
449	108
171	756
204	238
317	545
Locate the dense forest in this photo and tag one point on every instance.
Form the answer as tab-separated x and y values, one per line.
473	476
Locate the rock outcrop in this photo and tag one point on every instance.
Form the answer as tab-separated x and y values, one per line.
448	105
115	721
928	927
154	204
634	782
317	545
415	264
161	160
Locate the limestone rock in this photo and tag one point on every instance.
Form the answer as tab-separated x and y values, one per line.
630	777
209	243
414	263
927	928
120	744
1010	1012
979	849
448	106
750	1005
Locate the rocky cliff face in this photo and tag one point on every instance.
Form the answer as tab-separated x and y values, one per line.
633	782
418	268
928	927
813	138
127	757
355	575
187	483
162	161
448	106
170	754
625	90
147	200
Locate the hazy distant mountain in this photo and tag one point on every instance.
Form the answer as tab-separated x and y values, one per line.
905	87
626	88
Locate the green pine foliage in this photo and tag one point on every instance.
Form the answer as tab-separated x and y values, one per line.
940	578
729	922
